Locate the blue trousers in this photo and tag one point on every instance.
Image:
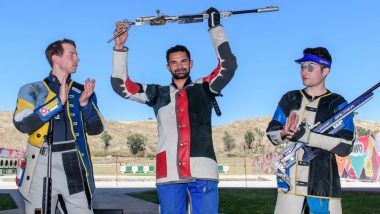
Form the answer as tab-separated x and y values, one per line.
203	197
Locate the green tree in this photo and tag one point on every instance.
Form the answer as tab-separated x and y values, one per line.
249	137
136	143
229	142
106	139
360	131
259	135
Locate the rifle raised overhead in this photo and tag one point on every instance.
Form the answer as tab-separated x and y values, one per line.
162	19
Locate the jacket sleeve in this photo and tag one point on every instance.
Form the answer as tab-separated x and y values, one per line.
278	121
227	65
92	118
32	112
339	143
125	87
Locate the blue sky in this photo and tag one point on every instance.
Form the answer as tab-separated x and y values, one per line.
265	45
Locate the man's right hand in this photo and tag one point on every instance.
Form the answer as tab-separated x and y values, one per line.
290	126
120	40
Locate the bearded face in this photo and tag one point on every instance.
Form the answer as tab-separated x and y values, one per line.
179	65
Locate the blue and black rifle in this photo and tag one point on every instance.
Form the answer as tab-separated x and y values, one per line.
330	126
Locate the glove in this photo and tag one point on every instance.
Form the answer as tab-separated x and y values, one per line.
302	135
213	17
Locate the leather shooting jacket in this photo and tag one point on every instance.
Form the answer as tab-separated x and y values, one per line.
320	176
185	149
38	103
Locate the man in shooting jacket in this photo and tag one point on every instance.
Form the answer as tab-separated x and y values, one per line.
64	111
185	158
315	182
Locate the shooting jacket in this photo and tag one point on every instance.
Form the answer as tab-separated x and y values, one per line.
320	176
37	104
185	149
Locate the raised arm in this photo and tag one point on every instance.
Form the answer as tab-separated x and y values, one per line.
227	65
120	81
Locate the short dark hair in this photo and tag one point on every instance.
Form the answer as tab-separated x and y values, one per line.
177	48
320	52
55	48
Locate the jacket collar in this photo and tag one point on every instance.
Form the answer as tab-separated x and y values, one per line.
310	98
188	82
53	79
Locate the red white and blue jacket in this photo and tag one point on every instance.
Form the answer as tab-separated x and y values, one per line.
185	149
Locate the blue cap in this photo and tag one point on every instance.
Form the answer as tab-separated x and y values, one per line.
313	58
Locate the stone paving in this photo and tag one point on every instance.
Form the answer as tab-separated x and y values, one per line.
112	195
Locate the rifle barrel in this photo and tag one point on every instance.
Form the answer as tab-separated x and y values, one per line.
367	92
372	89
349	108
259	10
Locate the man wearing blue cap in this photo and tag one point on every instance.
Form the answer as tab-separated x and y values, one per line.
313	184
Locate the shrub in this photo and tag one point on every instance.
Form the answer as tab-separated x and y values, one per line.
136	143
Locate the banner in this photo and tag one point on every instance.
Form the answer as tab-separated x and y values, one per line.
363	163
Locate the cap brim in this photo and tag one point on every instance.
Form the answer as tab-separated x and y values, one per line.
313	58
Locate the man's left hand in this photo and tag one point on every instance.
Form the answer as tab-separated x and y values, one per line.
303	133
89	87
213	17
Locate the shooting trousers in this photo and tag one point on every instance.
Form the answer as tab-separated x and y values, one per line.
67	179
295	204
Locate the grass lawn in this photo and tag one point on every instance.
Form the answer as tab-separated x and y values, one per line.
6	202
263	201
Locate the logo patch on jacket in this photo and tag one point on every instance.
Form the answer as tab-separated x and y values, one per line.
49	107
76	90
49	110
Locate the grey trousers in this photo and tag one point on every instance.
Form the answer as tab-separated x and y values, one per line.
75	203
293	204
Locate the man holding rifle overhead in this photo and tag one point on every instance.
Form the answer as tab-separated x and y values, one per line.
185	157
314	182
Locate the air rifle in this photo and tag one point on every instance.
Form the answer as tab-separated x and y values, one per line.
162	19
330	126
